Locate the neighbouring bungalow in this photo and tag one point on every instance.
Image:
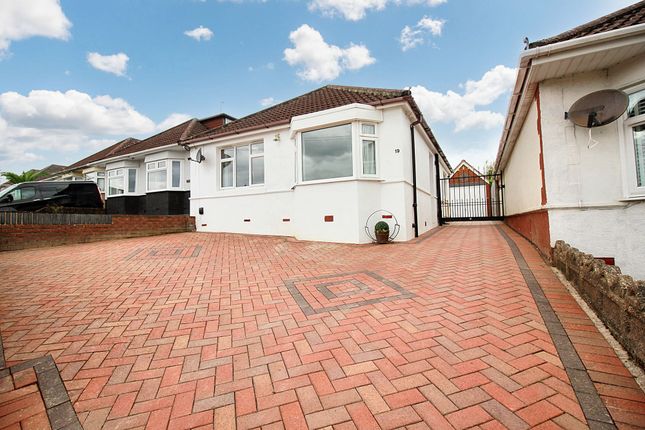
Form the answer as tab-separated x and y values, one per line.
149	176
317	166
561	182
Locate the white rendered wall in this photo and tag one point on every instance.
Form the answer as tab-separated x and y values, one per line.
522	176
585	187
350	201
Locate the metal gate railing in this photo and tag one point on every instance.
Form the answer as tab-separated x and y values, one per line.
472	198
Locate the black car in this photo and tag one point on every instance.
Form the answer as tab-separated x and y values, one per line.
34	196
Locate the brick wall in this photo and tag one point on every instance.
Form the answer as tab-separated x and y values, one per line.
534	226
24	236
617	299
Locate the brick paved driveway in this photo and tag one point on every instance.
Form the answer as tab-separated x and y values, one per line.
214	330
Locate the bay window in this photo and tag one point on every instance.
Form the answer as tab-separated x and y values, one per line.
121	181
635	143
327	153
242	165
163	175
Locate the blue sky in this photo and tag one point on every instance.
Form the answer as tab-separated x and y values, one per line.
146	73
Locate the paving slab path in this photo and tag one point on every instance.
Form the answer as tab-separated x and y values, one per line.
465	327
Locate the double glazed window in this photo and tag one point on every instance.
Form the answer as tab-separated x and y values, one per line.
163	175
121	181
368	147
327	152
98	178
241	166
635	131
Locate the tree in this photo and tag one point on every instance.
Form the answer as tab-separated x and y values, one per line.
17	178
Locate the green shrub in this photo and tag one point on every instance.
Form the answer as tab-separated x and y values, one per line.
381	226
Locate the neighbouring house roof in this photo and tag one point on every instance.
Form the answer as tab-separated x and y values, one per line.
597	45
104	153
327	97
463	164
51	169
626	17
167	137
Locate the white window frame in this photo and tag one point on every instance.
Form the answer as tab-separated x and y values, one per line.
233	160
123	172
628	152
94	177
370	137
155	166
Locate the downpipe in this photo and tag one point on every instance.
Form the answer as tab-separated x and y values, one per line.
414	177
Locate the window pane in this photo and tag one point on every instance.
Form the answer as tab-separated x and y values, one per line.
636	104
242	166
150	166
257	148
176	173
115	186
227	174
161	164
157	180
132	180
639	152
227	153
368	129
257	170
101	184
369	157
327	153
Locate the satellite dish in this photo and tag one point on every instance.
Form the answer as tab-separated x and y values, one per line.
598	108
199	157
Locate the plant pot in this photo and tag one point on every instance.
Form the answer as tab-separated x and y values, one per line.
382	236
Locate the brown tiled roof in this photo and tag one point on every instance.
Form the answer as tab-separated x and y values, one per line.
626	17
327	97
104	153
171	136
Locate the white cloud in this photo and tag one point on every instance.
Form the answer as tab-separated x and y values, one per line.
355	10
52	122
39	18
414	36
115	64
267	101
172	120
460	109
200	33
320	61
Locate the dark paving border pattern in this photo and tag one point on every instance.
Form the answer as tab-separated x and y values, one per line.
594	409
307	309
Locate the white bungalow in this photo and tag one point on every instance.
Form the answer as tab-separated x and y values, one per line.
317	166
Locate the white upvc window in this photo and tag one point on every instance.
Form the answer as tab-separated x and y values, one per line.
121	181
326	153
634	143
242	165
163	175
98	178
368	149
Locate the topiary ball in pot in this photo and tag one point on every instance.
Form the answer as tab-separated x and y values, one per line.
382	231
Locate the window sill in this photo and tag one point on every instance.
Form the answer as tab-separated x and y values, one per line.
165	189
125	195
335	180
632	199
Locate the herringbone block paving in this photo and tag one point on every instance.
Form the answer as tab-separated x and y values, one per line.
224	331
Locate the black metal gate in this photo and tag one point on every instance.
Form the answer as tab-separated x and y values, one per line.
471	198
